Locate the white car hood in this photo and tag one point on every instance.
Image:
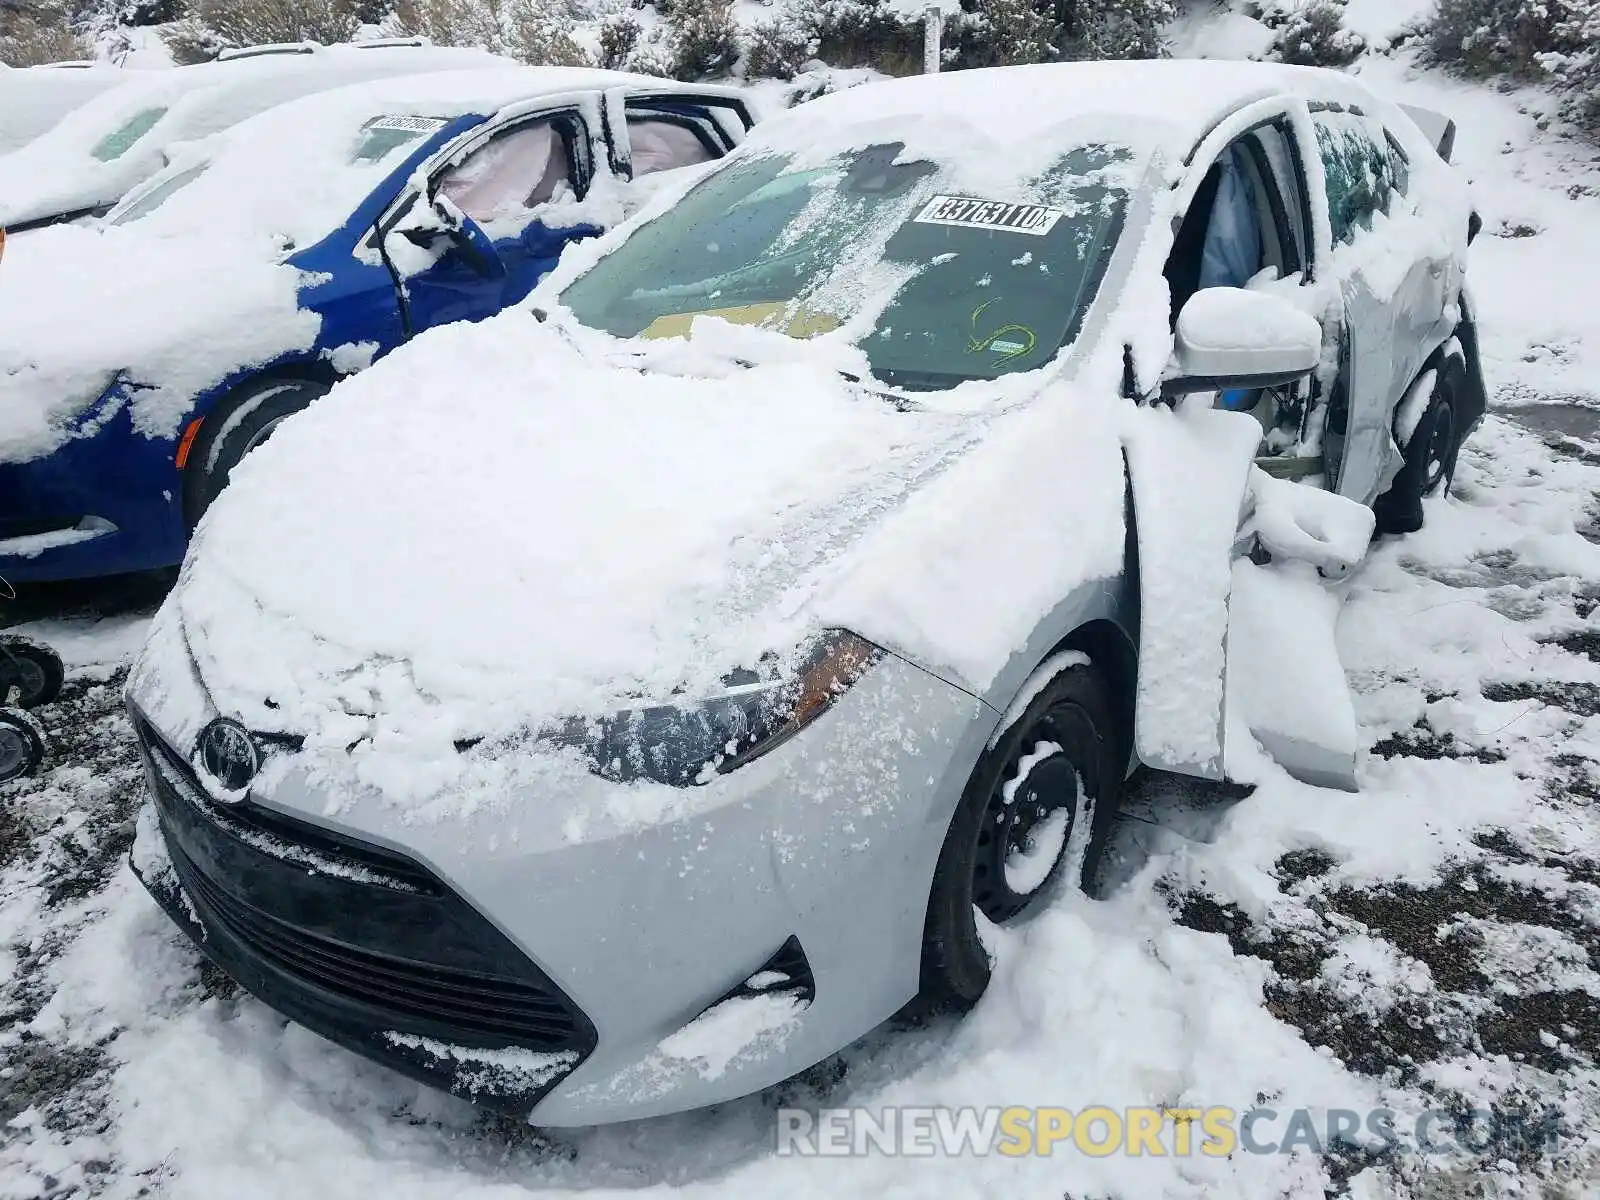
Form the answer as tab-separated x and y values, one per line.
493	529
38	184
175	314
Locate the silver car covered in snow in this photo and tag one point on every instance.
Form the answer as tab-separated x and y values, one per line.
623	704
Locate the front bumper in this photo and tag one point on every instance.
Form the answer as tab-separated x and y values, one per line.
813	863
293	914
102	504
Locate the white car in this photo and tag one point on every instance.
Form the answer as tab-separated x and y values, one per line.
623	705
96	154
33	99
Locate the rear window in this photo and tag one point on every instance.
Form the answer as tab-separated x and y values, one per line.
118	142
381	136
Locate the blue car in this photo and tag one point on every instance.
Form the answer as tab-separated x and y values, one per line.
141	360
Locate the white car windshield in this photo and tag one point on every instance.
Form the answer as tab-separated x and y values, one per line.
258	178
966	285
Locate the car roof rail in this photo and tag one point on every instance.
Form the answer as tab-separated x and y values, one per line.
384	43
238	52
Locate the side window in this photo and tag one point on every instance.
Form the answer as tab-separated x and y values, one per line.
1242	221
513	173
660	144
1359	160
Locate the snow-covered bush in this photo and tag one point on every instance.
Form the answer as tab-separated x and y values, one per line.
26	42
864	33
704	40
619	38
1553	41
1490	37
534	31
223	23
1311	33
998	33
777	49
1119	28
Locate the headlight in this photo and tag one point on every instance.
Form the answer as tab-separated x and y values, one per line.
688	745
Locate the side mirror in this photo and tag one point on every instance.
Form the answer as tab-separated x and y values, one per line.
475	246
1236	338
442	221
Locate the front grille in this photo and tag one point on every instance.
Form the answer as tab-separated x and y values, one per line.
355	941
499	1008
274	833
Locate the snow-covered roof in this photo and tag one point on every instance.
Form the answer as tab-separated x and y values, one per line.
99	151
1166	102
32	99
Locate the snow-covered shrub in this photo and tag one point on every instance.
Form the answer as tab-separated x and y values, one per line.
864	33
1552	41
704	39
540	32
226	23
777	49
39	34
534	31
1312	33
1119	28
619	38
998	33
1491	37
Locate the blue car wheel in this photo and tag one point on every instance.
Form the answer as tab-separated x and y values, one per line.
243	420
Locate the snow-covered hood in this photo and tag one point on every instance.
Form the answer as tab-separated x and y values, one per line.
498	527
38	185
171	315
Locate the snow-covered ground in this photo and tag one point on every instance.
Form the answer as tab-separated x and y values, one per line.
1431	943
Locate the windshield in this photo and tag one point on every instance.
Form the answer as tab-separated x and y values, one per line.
120	140
245	168
963	285
150	198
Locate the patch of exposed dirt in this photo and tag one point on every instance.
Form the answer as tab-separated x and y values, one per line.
1422	740
1543	1028
1580	698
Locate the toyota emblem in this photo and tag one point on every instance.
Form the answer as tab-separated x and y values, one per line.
228	754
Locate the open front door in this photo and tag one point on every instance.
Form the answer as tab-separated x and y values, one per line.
1240	586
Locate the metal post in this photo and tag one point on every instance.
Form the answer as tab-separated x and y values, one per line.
932	30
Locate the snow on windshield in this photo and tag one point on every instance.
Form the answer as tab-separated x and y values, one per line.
938	281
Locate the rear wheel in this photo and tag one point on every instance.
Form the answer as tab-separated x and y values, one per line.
1430	453
1042	796
243	420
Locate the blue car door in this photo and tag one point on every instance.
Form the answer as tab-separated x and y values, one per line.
512	187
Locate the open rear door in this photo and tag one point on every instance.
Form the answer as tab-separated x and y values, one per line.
1240	584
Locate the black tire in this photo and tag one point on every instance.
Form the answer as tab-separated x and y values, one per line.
1076	711
33	669
21	744
1430	454
243	420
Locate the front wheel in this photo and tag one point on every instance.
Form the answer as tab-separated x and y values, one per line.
1043	794
242	421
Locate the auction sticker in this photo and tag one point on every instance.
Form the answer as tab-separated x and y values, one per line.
968	213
